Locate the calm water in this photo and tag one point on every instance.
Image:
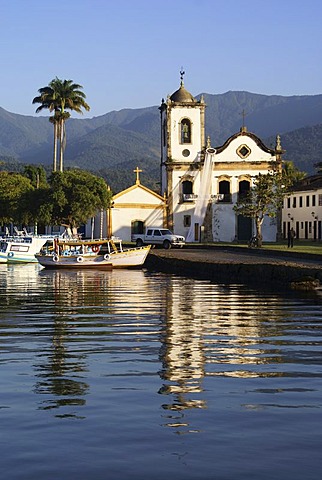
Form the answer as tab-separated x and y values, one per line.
134	375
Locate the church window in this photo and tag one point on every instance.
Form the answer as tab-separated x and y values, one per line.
186	186
186	152
313	200
187	220
243	151
224	191
164	133
185	131
244	187
187	191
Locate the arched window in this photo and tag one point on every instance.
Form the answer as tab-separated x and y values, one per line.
187	194
187	186
244	187
185	131
224	191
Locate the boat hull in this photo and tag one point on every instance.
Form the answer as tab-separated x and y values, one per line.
125	259
21	249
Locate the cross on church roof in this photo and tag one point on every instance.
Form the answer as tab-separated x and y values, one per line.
182	72
243	113
137	171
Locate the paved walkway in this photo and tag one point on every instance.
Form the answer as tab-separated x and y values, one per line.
240	255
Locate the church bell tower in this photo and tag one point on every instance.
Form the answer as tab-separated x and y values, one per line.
182	141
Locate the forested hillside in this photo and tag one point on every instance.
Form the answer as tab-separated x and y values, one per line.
115	143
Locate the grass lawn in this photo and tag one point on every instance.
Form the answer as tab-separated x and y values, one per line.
299	246
303	247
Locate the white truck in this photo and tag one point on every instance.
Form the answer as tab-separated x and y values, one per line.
158	236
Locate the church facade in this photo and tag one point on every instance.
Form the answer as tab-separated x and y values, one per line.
203	183
200	184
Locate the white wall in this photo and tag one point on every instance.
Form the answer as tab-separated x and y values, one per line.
305	219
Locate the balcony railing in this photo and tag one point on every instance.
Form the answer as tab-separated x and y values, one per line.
188	197
221	198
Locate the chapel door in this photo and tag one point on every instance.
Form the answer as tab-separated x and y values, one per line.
244	228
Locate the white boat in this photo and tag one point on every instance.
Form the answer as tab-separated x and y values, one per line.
21	248
102	254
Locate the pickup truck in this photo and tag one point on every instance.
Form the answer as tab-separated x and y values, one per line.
158	236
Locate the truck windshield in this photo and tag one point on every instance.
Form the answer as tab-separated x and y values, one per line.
166	232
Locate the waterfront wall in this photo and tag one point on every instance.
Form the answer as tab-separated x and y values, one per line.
260	274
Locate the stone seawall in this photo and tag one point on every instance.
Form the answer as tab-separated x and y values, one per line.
232	267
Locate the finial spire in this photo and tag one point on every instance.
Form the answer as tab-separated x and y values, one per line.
182	72
243	128
137	171
278	143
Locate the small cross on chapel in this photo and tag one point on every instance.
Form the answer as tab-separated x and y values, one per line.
137	171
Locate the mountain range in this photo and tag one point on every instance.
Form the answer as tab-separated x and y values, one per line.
112	145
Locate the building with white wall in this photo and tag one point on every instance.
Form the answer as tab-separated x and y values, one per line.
132	210
200	184
302	210
203	183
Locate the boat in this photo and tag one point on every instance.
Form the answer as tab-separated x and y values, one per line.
98	253
21	248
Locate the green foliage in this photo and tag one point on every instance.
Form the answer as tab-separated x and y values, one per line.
38	207
134	134
265	198
58	97
14	188
36	174
292	174
76	196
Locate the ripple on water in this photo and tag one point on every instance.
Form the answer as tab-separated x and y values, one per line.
184	378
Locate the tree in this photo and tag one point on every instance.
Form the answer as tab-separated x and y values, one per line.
37	175
292	173
59	97
76	196
13	190
265	198
48	101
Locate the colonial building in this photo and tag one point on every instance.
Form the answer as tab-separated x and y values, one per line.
133	209
203	183
200	184
303	209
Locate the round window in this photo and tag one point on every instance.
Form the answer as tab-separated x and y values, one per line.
186	152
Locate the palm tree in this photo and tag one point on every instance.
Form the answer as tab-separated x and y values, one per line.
47	101
60	96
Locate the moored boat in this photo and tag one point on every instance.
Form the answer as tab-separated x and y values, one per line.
21	248
102	254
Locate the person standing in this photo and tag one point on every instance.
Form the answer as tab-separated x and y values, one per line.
290	238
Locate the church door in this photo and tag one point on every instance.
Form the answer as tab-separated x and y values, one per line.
244	228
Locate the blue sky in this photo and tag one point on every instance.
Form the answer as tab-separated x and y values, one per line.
128	53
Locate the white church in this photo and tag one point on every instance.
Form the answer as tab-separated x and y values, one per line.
200	184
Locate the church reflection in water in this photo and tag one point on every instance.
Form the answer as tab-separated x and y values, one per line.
210	330
194	329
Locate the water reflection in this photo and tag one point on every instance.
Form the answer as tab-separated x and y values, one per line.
89	308
82	326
